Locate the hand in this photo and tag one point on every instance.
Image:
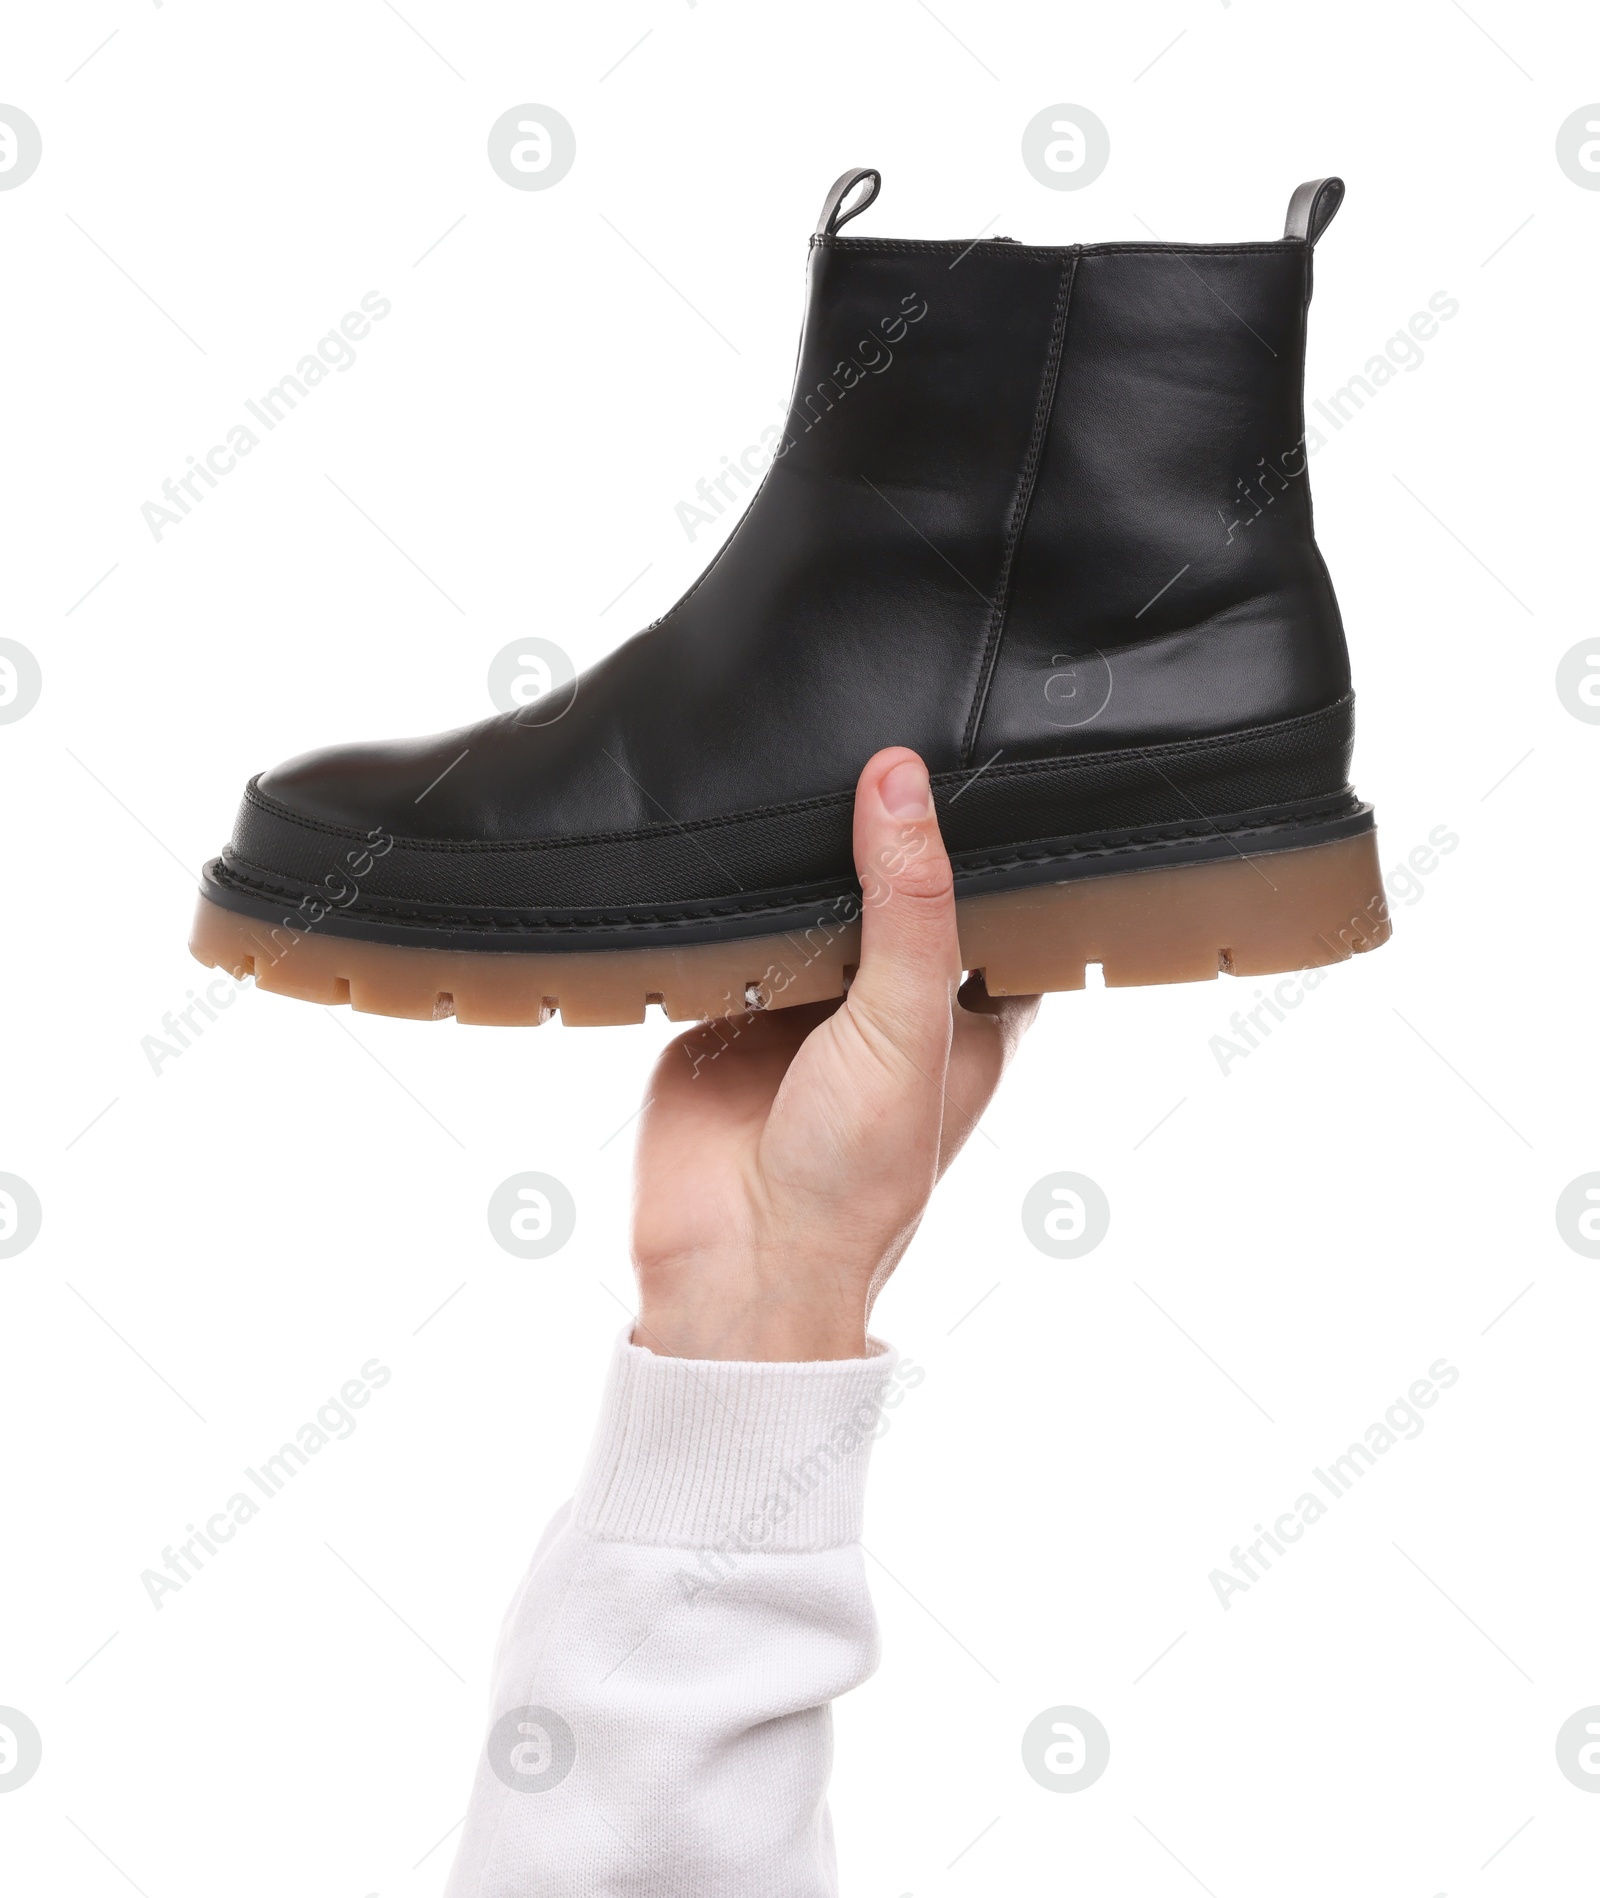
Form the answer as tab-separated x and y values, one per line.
785	1158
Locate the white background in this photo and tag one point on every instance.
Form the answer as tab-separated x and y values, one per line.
300	1191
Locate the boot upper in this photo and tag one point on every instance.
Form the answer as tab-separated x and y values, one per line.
1039	513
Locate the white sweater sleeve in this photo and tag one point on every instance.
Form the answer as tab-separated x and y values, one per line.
659	1721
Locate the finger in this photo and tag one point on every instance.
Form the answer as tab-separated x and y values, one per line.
910	956
1015	1013
735	1052
988	1031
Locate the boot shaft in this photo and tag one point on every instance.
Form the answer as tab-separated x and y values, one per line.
1093	458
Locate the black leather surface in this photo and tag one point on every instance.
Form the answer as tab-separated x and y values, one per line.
782	845
1010	489
1170	530
847	611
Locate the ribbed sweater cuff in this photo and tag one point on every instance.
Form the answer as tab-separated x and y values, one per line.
694	1453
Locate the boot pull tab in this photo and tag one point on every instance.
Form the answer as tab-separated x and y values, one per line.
834	216
1312	208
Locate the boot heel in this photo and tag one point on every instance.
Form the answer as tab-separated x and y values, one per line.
1257	915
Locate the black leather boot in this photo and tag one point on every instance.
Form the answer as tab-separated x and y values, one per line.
1041	514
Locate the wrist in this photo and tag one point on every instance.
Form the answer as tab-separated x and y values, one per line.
752	1308
752	1332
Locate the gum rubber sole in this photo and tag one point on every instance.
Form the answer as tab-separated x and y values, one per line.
1242	915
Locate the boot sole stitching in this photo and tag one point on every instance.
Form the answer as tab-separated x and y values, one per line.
258	886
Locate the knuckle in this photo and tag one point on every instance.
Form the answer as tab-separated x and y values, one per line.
924	880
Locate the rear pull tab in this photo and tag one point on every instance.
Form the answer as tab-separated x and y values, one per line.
834	216
1312	208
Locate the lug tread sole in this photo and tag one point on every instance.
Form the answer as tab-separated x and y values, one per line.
1247	915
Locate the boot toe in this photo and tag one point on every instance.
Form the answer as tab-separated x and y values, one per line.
363	787
349	824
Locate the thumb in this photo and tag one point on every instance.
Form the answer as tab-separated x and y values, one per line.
910	955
